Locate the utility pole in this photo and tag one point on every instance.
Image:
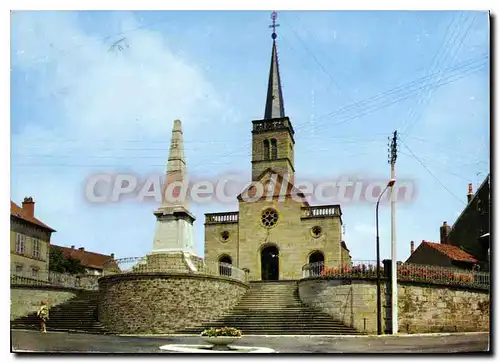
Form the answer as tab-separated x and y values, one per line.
394	275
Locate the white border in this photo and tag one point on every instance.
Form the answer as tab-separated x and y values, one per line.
184	5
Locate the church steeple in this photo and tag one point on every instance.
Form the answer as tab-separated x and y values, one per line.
272	137
274	102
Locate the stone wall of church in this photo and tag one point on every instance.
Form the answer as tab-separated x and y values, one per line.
161	303
292	235
216	245
422	308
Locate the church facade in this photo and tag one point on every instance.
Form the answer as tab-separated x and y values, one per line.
274	236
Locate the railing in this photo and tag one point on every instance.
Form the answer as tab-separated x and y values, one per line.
321	211
229	217
443	275
406	272
133	265
343	270
50	278
266	125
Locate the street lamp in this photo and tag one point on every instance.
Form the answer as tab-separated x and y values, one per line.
379	303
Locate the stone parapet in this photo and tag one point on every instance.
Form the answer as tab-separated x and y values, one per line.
162	303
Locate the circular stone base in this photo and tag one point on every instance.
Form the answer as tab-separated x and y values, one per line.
194	348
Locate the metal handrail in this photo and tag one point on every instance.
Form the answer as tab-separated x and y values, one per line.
135	265
51	278
405	271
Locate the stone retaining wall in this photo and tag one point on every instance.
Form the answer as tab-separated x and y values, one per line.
157	303
25	300
423	308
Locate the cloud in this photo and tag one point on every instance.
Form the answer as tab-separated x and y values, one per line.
86	92
134	92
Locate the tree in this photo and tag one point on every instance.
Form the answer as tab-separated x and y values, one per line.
59	263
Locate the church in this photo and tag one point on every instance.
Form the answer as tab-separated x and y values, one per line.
273	237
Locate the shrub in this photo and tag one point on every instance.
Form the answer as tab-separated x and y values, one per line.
221	332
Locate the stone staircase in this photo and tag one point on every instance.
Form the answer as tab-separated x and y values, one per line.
274	308
78	314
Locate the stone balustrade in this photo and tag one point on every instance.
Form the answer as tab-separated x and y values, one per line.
323	211
227	217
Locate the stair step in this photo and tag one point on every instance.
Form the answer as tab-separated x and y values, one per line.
275	308
75	315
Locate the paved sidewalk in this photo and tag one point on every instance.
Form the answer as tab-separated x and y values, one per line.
31	341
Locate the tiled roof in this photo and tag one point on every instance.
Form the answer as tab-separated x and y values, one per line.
86	258
18	212
452	252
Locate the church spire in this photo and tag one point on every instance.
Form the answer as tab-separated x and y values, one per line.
274	102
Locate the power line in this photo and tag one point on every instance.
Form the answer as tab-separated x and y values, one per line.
409	126
427	169
396	90
441	168
434	63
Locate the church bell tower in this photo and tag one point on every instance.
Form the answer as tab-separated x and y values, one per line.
272	137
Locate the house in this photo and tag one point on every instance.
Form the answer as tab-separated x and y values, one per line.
438	254
29	241
471	230
466	244
93	262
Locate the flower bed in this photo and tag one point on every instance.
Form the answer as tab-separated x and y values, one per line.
409	272
361	270
434	274
221	332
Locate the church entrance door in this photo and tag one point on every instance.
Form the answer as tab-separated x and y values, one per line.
269	261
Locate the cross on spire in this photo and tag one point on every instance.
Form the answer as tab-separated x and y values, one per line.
274	100
274	15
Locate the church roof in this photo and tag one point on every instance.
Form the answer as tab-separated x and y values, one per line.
275	107
265	179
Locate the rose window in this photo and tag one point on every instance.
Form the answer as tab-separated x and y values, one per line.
316	231
269	218
224	236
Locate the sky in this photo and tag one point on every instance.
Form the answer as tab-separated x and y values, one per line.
82	105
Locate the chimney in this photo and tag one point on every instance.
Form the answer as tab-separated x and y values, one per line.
73	247
112	256
470	194
412	247
444	230
29	206
81	249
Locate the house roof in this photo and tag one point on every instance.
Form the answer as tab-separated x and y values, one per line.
485	183
86	258
18	212
452	252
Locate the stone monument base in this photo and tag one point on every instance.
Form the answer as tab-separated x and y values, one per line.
173	262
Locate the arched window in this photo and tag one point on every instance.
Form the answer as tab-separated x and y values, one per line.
266	149
224	265
274	149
